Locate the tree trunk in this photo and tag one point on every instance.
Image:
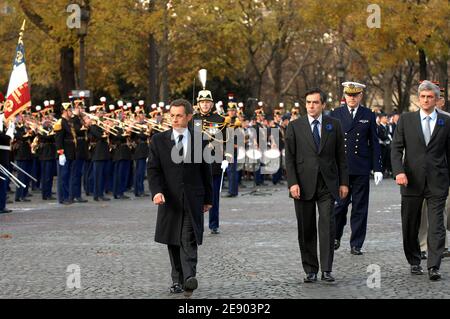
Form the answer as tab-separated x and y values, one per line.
152	88
67	72
277	76
164	58
423	65
443	77
387	91
152	93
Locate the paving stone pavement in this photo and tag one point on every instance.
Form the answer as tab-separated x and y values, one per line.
255	256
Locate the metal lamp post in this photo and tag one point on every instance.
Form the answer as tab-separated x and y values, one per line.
82	33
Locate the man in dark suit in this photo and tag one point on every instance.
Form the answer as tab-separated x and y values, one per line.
420	155
181	184
317	174
362	150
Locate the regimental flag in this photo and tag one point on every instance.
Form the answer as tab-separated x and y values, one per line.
18	95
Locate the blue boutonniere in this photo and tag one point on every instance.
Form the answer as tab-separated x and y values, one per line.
440	122
329	127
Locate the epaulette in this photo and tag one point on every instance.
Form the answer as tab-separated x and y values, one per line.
57	126
227	120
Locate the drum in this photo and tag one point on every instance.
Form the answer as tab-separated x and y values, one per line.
271	159
253	154
252	160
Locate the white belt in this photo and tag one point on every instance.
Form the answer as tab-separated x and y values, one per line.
5	148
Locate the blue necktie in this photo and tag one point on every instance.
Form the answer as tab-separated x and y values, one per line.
316	135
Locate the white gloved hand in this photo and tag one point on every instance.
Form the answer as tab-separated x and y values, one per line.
225	164
378	177
11	129
62	159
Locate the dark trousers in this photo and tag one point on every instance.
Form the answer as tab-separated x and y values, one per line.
276	178
214	211
47	178
109	178
259	178
358	196
64	177
88	177
386	158
307	230
183	258
36	173
75	183
130	181
411	214
26	166
233	178
139	177
121	172
99	172
3	189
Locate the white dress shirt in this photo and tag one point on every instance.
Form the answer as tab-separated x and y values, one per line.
433	120
350	110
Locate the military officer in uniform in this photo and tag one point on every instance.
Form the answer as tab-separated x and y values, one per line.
66	142
23	157
233	122
363	155
100	155
46	153
212	123
5	150
81	155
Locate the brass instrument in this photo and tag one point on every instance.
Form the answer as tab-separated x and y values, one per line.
107	128
160	127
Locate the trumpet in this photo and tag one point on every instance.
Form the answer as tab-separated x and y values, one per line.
101	124
160	127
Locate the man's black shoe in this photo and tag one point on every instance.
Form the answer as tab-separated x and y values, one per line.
434	274
423	255
326	276
189	286
229	195
105	199
311	277
67	202
446	253
175	289
416	270
356	251
337	244
5	211
23	200
80	200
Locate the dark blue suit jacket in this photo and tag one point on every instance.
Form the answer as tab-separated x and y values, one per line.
361	141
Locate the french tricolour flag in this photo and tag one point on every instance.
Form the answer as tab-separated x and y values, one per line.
18	96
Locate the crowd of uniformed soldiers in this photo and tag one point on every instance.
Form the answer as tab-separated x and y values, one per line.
100	150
